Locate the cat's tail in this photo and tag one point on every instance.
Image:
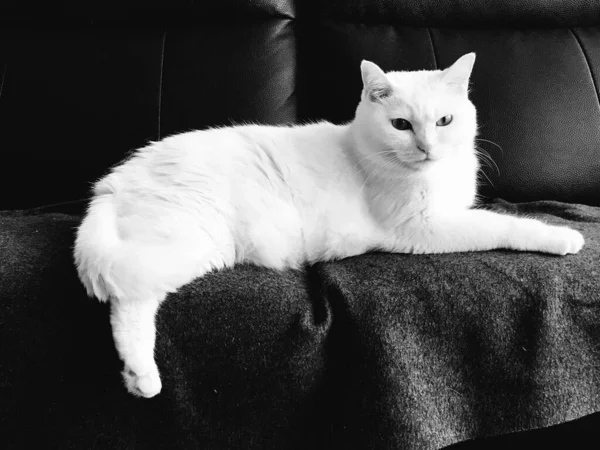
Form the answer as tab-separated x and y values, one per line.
96	246
120	265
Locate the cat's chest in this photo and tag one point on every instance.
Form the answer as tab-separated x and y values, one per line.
416	203
458	195
449	186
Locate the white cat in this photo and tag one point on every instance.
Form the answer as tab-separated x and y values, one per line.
400	178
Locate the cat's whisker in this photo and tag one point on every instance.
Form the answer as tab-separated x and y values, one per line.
377	171
490	142
487	178
485	157
488	161
369	156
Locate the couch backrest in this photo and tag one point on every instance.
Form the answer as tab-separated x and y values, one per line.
83	83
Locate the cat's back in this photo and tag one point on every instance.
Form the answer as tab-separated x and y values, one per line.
248	150
218	158
242	142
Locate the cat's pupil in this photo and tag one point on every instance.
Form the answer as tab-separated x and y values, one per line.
444	121
401	124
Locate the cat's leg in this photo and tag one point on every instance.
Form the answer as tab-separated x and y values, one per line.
134	331
134	252
478	230
144	275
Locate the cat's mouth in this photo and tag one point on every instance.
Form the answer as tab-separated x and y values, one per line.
428	157
415	164
424	162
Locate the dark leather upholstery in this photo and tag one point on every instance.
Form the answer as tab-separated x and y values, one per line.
83	83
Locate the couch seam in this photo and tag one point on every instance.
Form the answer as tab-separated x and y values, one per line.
435	60
587	61
160	82
3	78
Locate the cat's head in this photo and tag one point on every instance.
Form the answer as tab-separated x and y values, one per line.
416	118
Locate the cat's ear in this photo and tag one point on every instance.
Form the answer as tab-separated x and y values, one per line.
375	83
458	74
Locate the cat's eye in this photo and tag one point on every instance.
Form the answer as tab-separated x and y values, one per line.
401	124
446	120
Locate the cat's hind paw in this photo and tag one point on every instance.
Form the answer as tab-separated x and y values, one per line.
565	241
142	385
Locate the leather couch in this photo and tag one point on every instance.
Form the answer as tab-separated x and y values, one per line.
378	351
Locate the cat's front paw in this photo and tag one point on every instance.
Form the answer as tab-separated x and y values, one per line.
562	241
142	384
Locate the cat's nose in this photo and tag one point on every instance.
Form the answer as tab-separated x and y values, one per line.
424	148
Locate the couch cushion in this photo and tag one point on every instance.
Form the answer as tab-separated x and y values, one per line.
377	351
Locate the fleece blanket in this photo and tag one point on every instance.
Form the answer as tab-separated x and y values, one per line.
379	351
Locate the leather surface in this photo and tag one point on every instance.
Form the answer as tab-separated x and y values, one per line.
81	85
141	12
457	13
246	74
444	13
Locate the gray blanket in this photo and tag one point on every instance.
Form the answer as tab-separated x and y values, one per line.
379	351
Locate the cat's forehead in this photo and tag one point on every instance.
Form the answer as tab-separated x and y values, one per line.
422	93
415	80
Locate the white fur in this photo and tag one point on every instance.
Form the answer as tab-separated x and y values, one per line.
282	196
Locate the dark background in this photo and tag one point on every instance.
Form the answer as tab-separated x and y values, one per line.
84	83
